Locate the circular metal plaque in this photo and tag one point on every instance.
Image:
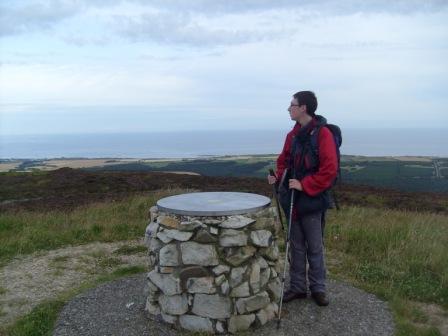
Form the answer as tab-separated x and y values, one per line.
213	203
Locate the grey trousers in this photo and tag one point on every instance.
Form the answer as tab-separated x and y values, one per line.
307	246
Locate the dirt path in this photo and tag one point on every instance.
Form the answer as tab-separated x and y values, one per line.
27	281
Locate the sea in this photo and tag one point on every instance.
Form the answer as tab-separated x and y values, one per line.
196	144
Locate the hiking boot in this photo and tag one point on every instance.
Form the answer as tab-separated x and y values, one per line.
320	298
290	295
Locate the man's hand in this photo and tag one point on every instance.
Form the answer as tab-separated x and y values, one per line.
295	184
272	179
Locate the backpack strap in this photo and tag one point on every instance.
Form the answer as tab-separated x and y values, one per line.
300	171
336	132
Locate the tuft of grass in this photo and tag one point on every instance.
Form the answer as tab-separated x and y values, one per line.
129	250
129	270
39	321
3	290
25	232
61	259
398	255
395	251
108	262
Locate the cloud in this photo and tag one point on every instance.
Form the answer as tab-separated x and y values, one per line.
41	15
81	41
322	6
183	29
35	16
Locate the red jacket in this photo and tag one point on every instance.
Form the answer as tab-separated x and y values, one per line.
328	161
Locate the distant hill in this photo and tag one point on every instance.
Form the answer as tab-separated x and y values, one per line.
424	174
68	188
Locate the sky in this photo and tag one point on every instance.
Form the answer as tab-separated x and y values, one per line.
97	66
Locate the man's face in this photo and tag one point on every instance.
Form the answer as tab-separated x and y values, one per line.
296	111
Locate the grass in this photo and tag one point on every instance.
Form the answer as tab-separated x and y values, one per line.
129	250
400	256
26	232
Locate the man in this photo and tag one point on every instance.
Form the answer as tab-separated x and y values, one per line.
313	178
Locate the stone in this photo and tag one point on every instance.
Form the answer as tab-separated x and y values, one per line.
220	327
151	229
275	289
236	275
165	270
178	235
273	272
254	277
190	226
229	238
201	285
204	237
152	260
167	283
279	266
199	254
241	291
267	314
153	211
152	296
262	262
262	238
240	322
253	303
271	253
169	256
210	221
220	269
173	304
267	212
168	221
265	223
264	276
155	245
152	288
235	256
214	230
212	306
191	272
196	323
225	288
152	307
236	222
163	236
171	319
220	279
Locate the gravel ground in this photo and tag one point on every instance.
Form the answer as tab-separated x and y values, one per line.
117	308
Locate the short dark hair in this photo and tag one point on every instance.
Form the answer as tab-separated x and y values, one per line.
309	99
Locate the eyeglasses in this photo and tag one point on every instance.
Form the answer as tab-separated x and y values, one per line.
294	105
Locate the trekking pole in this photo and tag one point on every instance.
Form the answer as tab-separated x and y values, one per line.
286	259
274	190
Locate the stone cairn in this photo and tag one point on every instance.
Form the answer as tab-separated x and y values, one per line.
213	274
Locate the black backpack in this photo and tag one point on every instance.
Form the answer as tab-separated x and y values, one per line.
337	136
314	151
